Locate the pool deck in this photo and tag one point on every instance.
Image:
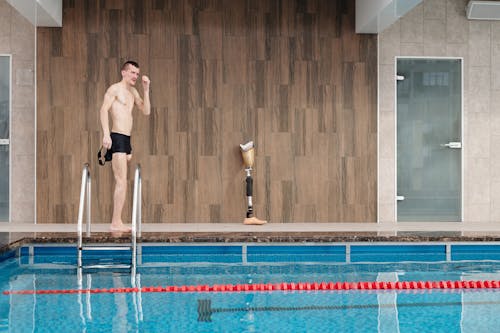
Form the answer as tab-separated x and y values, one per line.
486	229
271	232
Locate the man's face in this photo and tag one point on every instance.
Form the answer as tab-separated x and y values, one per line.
130	74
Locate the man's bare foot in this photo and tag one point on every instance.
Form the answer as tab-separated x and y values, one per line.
119	228
254	220
117	234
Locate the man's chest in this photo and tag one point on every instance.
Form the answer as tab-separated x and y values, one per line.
124	98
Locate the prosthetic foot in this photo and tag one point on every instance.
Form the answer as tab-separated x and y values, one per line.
248	153
253	220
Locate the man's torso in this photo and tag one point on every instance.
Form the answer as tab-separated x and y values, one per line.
121	109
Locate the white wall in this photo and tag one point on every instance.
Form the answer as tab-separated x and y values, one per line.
46	13
374	16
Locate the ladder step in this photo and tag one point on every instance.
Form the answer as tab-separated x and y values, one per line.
103	266
106	248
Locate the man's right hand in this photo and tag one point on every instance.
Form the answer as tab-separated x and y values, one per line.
106	142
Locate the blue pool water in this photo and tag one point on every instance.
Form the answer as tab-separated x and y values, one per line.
42	268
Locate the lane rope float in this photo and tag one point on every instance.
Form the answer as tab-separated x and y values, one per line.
285	286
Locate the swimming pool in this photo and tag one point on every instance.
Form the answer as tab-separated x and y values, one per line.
41	268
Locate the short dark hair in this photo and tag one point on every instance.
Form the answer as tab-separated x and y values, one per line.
129	62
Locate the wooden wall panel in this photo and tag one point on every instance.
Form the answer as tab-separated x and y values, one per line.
289	74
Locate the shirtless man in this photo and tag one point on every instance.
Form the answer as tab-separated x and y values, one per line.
119	101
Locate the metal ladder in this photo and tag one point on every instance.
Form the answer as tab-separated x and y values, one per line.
85	200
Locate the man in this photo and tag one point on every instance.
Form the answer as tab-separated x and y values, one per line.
119	101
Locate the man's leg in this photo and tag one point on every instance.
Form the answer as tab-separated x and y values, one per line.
119	165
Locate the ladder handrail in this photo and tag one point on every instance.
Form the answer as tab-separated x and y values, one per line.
85	192
136	215
137	202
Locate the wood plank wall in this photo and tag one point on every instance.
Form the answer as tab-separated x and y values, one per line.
289	74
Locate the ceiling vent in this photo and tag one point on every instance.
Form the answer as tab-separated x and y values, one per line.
483	10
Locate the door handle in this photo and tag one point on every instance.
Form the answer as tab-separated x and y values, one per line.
453	145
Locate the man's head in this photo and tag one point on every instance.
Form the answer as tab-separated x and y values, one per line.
130	72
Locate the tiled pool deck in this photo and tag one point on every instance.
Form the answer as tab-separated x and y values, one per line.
217	228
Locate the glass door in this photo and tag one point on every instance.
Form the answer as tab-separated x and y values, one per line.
429	140
4	136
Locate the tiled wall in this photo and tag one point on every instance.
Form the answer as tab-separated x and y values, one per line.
17	38
440	28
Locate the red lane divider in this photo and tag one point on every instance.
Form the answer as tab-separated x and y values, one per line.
306	286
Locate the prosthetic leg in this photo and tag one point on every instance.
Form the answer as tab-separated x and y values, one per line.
248	153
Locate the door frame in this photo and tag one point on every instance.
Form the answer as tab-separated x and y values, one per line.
10	135
464	146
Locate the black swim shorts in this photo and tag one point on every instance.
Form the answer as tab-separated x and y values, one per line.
120	143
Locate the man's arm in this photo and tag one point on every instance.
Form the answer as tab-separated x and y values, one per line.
109	97
143	105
